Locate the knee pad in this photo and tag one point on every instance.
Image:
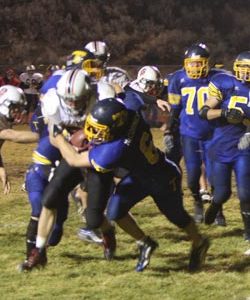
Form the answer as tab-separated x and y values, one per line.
35	199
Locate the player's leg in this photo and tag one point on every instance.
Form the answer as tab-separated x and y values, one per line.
220	219
168	198
129	192
35	184
99	186
63	181
242	176
193	162
221	180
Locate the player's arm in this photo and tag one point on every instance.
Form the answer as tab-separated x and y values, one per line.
3	176
19	136
69	153
211	109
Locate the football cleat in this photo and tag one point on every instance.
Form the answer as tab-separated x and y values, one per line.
198	255
88	235
220	219
198	212
35	260
109	243
146	249
205	196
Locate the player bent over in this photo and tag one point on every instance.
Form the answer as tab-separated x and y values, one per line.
120	138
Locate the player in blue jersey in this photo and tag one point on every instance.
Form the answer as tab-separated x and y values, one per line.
37	178
120	138
69	113
187	92
228	106
145	88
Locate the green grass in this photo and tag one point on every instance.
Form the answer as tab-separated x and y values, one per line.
77	270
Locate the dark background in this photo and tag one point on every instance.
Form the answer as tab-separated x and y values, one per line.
138	32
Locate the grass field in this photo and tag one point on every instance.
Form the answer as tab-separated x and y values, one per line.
77	270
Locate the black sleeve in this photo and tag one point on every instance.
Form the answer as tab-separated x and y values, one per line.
173	121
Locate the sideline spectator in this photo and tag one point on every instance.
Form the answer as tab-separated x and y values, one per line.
10	78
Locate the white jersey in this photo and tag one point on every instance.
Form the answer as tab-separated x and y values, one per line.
56	112
32	81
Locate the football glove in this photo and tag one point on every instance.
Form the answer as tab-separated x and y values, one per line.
168	141
244	141
232	115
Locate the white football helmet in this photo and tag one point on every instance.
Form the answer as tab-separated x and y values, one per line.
105	90
30	68
11	97
74	91
99	49
116	75
150	80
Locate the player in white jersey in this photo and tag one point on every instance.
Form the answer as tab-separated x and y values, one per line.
31	82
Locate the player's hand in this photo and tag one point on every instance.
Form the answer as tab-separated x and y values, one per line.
5	181
233	115
244	141
168	141
163	105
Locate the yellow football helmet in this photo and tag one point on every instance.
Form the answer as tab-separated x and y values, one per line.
106	121
242	66
196	61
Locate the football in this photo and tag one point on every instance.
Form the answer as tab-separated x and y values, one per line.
79	140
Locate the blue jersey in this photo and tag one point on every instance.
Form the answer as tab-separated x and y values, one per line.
133	100
37	123
134	152
188	96
232	93
45	153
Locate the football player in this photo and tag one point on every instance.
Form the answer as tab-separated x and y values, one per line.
146	88
66	106
31	82
228	107
113	129
110	74
67	109
12	103
187	92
